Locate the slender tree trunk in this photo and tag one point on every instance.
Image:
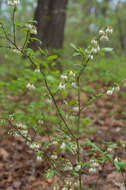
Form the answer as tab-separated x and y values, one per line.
120	25
1	1
106	7
50	16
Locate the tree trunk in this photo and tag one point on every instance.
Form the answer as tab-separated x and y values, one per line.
105	7
50	16
1	1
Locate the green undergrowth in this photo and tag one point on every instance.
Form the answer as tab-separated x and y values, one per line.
108	70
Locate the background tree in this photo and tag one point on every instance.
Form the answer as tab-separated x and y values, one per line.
84	17
120	26
50	16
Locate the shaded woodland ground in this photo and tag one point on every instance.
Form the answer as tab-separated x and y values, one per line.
20	170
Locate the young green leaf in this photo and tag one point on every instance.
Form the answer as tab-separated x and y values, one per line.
107	49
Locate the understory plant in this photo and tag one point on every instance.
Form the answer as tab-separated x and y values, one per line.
45	107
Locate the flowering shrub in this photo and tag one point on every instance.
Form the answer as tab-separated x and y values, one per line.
49	107
13	2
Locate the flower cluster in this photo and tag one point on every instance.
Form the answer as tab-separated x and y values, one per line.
94	47
67	166
39	157
40	121
70	77
66	188
56	187
36	147
22	131
62	86
94	166
54	142
75	109
116	160
104	34
54	156
13	2
21	125
70	184
37	70
114	89
31	28
109	149
16	51
30	86
78	168
73	147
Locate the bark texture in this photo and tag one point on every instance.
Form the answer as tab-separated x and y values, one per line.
50	16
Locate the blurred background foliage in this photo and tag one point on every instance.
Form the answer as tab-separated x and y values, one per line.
84	19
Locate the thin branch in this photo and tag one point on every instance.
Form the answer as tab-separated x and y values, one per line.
79	115
8	39
122	173
57	108
26	41
14	28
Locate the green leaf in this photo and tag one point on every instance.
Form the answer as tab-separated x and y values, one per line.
51	78
86	121
43	52
67	148
82	51
36	39
107	49
17	23
76	54
50	173
74	46
89	89
102	53
93	145
52	57
117	167
120	165
110	157
72	102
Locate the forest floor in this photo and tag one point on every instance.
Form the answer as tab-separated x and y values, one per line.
20	170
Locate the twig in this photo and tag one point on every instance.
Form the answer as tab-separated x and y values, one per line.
26	41
13	20
78	121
